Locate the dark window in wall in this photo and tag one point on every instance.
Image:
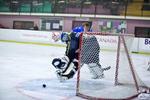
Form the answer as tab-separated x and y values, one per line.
143	32
78	23
23	24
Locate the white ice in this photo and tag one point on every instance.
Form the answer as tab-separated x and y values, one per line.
24	68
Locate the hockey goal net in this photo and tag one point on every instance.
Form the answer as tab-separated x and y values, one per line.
121	81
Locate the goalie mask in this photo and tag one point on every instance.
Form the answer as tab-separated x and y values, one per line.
58	64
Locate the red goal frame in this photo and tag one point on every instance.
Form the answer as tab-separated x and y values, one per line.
120	36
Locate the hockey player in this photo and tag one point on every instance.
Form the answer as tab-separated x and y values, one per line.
70	60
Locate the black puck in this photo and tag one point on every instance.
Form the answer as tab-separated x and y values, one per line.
44	85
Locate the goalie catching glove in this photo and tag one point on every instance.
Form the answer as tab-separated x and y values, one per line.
63	65
60	63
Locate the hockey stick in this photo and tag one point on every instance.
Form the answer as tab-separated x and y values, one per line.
107	68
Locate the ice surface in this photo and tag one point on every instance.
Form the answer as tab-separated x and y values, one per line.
24	68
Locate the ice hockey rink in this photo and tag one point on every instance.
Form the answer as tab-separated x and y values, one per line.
24	68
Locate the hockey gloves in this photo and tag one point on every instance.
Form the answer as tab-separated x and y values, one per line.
66	73
60	63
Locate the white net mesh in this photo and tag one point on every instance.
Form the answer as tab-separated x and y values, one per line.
119	82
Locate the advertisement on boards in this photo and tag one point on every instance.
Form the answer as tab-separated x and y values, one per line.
144	45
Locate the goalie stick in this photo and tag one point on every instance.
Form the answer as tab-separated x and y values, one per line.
104	69
107	68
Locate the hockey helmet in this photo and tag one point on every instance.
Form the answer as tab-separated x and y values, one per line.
64	36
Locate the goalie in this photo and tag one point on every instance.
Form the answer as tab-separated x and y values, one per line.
68	65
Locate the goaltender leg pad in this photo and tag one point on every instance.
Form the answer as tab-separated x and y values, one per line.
74	69
96	71
75	62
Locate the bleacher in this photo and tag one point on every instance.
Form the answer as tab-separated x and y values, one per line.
25	6
98	7
137	8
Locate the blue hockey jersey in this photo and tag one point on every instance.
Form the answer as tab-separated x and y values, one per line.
73	43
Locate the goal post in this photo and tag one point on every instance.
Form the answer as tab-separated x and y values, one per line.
121	82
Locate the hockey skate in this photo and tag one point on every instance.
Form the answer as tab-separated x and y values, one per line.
107	68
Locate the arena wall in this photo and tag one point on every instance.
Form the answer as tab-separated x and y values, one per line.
7	21
139	45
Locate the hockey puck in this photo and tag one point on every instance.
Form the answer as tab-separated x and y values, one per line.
44	85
